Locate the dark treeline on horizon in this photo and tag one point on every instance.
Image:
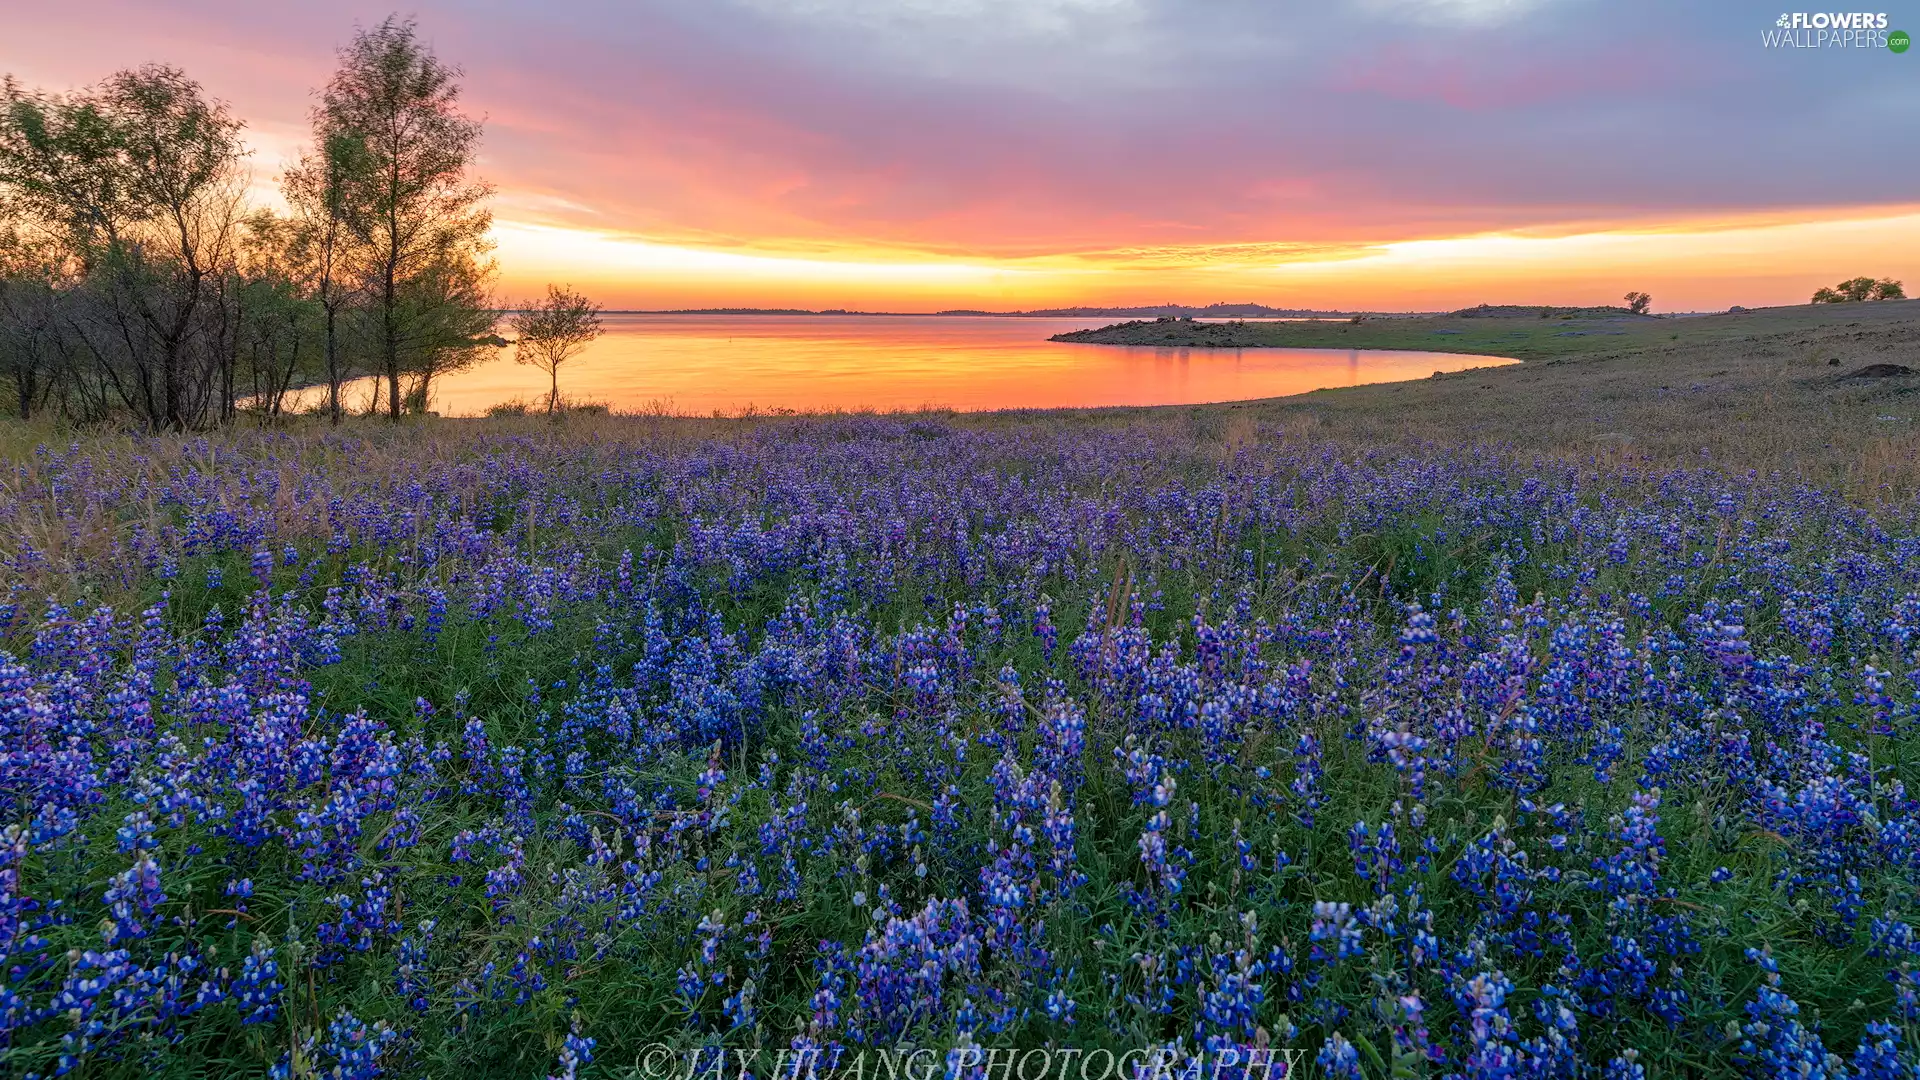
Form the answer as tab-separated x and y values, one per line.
137	283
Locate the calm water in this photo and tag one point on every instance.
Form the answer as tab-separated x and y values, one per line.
700	363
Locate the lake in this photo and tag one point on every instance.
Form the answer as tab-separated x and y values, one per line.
697	364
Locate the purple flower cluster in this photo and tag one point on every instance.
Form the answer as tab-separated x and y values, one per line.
367	754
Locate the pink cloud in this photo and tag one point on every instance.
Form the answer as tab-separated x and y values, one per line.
1521	76
690	122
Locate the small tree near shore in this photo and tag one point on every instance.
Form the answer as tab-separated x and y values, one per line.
1638	302
550	331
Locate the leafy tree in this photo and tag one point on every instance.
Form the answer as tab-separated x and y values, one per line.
1854	290
1638	302
134	280
30	337
62	203
316	188
448	310
280	317
61	166
136	181
180	153
550	331
418	220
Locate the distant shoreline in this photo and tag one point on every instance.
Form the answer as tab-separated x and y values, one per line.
1211	312
1541	334
1221	311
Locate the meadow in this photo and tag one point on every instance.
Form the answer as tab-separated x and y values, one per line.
512	748
1785	392
1513	330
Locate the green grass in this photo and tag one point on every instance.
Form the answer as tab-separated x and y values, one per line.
1766	402
1528	337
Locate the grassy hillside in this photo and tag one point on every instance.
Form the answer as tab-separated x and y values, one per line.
1759	390
1524	337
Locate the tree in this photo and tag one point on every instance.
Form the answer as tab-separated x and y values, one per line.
316	188
135	281
181	154
60	163
449	310
1855	290
1638	302
279	311
403	189
62	202
29	322
137	181
550	331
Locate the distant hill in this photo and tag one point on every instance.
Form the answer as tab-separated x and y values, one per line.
1211	311
1180	311
1522	333
746	311
1177	311
1545	311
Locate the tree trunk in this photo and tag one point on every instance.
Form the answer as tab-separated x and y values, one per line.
333	367
390	345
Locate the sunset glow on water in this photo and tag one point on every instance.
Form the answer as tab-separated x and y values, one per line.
701	363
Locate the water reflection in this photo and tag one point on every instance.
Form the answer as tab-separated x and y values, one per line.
699	364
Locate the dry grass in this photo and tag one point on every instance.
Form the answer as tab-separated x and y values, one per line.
1769	402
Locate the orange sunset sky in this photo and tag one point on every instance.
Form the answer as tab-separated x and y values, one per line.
1007	154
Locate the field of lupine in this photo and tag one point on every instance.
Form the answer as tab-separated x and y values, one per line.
507	751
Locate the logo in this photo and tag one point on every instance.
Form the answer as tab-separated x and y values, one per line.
1834	30
1832	20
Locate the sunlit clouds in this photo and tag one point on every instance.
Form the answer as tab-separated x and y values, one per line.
917	154
1700	264
680	276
